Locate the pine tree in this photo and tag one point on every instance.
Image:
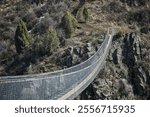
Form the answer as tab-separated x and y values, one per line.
22	39
69	23
52	42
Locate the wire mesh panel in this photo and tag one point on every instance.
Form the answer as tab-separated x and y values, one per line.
62	84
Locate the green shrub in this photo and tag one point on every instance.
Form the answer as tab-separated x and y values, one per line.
52	42
22	39
119	34
47	43
69	23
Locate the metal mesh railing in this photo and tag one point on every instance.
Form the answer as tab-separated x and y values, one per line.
54	85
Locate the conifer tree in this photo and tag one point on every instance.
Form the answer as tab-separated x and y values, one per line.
52	42
22	39
69	23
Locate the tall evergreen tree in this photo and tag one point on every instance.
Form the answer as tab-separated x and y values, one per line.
69	23
22	39
52	42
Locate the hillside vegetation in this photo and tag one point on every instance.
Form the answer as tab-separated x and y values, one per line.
39	36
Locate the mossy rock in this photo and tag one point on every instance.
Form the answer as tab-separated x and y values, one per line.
69	24
22	38
82	14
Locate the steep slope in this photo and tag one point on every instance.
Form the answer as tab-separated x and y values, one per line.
127	71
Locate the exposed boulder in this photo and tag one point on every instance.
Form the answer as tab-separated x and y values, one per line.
75	55
66	59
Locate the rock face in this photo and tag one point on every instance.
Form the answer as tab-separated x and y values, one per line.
126	74
75	55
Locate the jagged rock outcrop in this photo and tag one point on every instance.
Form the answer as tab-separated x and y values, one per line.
126	74
75	55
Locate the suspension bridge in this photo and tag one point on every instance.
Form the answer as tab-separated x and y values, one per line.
62	84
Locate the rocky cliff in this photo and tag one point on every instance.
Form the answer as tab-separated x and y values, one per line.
127	71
